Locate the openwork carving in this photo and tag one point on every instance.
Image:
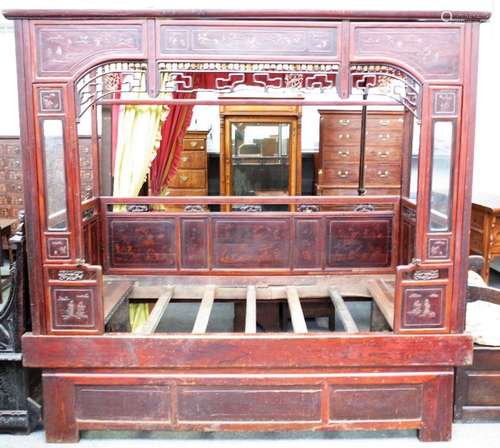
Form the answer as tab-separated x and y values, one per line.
306	208
409	214
431	274
390	81
248	208
226	77
138	208
364	208
194	208
108	80
70	276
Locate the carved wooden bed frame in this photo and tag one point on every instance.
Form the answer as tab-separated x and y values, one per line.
94	379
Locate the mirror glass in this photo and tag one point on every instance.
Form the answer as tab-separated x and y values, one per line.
260	158
55	174
442	147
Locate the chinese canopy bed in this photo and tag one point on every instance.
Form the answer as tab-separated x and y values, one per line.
136	218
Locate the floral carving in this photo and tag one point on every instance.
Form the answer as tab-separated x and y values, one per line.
205	39
432	51
60	48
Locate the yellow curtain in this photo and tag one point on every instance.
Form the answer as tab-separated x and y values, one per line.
139	135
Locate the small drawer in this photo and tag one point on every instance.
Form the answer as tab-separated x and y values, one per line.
185	192
383	137
193	179
477	218
383	174
340	153
328	191
476	241
340	173
13	164
193	144
341	137
193	159
341	122
384	122
14	176
15	187
383	154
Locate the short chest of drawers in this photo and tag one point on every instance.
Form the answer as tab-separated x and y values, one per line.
191	177
339	152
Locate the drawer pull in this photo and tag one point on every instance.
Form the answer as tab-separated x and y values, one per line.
193	144
183	178
344	122
343	173
383	154
341	136
384	137
344	153
184	159
384	122
382	173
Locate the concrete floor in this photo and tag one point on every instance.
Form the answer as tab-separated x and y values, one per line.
483	435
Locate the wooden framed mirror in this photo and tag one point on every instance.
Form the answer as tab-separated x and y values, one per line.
260	150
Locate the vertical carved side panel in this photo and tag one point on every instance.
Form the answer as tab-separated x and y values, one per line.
194	243
308	246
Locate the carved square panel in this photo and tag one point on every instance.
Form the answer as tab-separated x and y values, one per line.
57	247
73	308
444	102
251	243
423	307
438	248
50	100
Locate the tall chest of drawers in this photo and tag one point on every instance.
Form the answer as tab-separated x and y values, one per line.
191	177
339	152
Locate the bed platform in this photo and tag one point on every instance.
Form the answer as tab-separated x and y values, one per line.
342	309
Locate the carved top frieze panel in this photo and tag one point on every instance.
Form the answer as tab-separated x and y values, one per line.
60	49
432	51
245	40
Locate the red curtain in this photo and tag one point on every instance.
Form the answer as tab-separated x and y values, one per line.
174	129
167	157
165	164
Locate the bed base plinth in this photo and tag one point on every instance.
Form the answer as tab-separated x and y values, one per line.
332	400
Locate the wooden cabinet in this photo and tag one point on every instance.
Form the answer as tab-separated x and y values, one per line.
11	177
260	150
191	178
485	229
339	153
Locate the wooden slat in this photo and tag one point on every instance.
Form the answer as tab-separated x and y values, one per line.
342	311
201	322
251	310
114	293
383	299
158	311
296	313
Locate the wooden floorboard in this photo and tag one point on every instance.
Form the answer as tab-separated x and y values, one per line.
113	294
297	315
158	311
201	322
251	310
343	312
383	299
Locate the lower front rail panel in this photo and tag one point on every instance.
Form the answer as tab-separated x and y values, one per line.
347	399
